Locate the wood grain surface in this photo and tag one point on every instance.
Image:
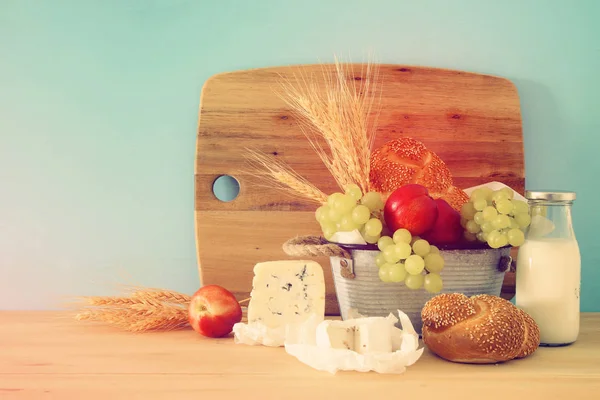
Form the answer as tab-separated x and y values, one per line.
472	121
46	355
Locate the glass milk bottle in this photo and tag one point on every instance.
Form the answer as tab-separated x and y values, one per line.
549	268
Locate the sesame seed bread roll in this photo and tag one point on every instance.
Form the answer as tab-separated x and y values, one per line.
406	160
481	329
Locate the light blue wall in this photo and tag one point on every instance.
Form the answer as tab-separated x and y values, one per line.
98	112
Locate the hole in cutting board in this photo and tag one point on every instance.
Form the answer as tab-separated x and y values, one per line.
226	188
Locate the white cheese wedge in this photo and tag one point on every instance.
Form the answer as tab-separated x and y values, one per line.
326	349
363	335
335	335
373	335
286	292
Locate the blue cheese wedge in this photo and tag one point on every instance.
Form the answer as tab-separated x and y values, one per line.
362	335
286	292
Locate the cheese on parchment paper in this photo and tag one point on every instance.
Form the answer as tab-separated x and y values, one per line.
284	293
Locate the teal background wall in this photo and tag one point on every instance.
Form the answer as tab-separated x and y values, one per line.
98	112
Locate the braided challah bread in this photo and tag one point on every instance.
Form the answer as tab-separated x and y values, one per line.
406	160
480	329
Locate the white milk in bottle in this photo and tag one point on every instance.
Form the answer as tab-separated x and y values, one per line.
549	268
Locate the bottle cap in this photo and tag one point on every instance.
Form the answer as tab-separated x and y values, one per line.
550	195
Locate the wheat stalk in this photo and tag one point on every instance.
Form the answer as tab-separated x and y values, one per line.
337	117
278	175
110	301
139	318
335	120
162	295
144	310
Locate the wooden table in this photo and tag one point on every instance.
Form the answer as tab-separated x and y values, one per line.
46	355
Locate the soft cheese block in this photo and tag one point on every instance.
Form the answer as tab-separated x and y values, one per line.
363	335
335	335
286	292
373	335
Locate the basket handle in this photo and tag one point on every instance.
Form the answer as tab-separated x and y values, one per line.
507	264
313	246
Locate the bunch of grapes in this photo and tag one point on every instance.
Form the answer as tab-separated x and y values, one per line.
345	212
412	260
495	217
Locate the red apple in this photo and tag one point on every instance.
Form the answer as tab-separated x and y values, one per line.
213	311
412	208
447	228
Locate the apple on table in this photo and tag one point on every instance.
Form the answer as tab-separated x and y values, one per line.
213	311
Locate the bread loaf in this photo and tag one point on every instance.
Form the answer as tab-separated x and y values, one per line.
480	329
406	160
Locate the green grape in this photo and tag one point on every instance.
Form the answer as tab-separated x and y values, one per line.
344	204
487	227
516	237
433	249
478	194
434	262
433	283
391	255
403	250
479	205
473	227
333	198
488	193
499	195
489	213
353	191
334	215
498	240
468	210
373	227
329	229
513	223
397	272
414	281
414	264
361	214
469	236
385	273
520	207
501	221
501	240
347	224
491	236
371	239
321	213
504	206
478	218
508	192
491	243
380	260
481	236
373	201
523	220
384	242
421	247
402	236
463	222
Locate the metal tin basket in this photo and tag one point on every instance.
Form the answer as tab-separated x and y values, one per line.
470	271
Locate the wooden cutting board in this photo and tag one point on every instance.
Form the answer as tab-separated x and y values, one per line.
472	121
